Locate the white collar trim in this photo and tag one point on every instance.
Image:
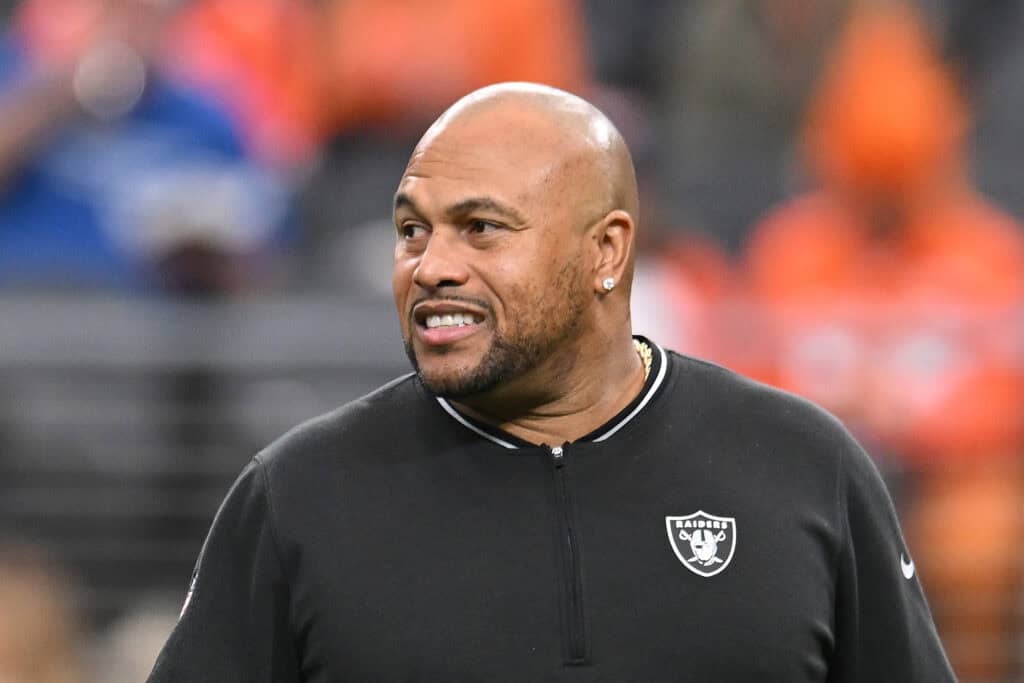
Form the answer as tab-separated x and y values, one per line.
658	379
472	427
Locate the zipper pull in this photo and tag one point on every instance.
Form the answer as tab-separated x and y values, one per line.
558	455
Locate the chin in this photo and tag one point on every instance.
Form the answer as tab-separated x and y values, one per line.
464	373
449	383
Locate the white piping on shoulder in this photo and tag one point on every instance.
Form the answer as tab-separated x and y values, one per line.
472	427
659	378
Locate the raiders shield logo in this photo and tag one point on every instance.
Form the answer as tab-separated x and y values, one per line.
703	543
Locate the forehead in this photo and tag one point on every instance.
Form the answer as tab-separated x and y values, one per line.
518	164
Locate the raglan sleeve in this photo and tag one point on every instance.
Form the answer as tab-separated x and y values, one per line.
234	626
884	628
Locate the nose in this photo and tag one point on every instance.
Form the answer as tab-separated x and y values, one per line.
441	264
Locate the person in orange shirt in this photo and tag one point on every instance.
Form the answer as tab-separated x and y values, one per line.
338	89
893	289
301	72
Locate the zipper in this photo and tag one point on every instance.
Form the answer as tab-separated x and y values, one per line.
573	617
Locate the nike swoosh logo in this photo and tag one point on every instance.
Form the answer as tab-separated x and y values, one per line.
907	566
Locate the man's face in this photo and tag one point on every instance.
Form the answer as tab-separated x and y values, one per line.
488	276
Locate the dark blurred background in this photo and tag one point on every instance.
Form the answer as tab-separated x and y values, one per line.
195	249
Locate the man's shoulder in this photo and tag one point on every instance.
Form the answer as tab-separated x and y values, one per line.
769	439
350	428
726	399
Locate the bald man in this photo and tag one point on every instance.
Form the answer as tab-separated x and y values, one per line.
548	497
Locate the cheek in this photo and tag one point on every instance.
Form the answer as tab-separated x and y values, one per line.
548	296
401	283
521	286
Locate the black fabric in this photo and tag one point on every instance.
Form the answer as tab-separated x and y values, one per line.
388	542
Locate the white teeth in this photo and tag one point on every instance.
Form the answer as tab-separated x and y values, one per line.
452	320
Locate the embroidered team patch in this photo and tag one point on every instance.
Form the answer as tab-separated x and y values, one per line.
703	543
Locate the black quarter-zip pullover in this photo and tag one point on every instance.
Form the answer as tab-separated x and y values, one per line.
716	530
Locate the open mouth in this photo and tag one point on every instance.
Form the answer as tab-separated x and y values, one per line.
444	322
452	320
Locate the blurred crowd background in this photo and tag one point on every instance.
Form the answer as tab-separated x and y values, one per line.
195	246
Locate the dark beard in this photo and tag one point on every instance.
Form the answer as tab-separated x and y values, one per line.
509	358
503	361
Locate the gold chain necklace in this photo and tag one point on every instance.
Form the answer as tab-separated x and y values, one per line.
646	355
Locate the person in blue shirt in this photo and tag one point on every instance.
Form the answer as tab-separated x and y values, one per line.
108	168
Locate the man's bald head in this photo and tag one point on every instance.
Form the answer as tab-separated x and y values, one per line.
572	130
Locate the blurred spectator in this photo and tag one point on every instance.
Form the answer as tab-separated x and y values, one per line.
894	288
736	78
111	174
39	638
353	81
266	62
300	70
395	64
896	234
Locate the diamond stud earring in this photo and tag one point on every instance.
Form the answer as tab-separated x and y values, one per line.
609	284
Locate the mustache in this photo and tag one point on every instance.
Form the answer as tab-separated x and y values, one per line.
478	303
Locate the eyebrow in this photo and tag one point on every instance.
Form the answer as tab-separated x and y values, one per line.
465	206
472	204
404	201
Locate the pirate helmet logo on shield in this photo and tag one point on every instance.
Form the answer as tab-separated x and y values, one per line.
704	543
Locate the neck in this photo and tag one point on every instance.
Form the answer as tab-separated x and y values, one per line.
576	393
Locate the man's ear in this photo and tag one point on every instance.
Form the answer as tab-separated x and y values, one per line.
613	238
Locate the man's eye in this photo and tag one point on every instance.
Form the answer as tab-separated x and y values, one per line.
412	231
478	226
